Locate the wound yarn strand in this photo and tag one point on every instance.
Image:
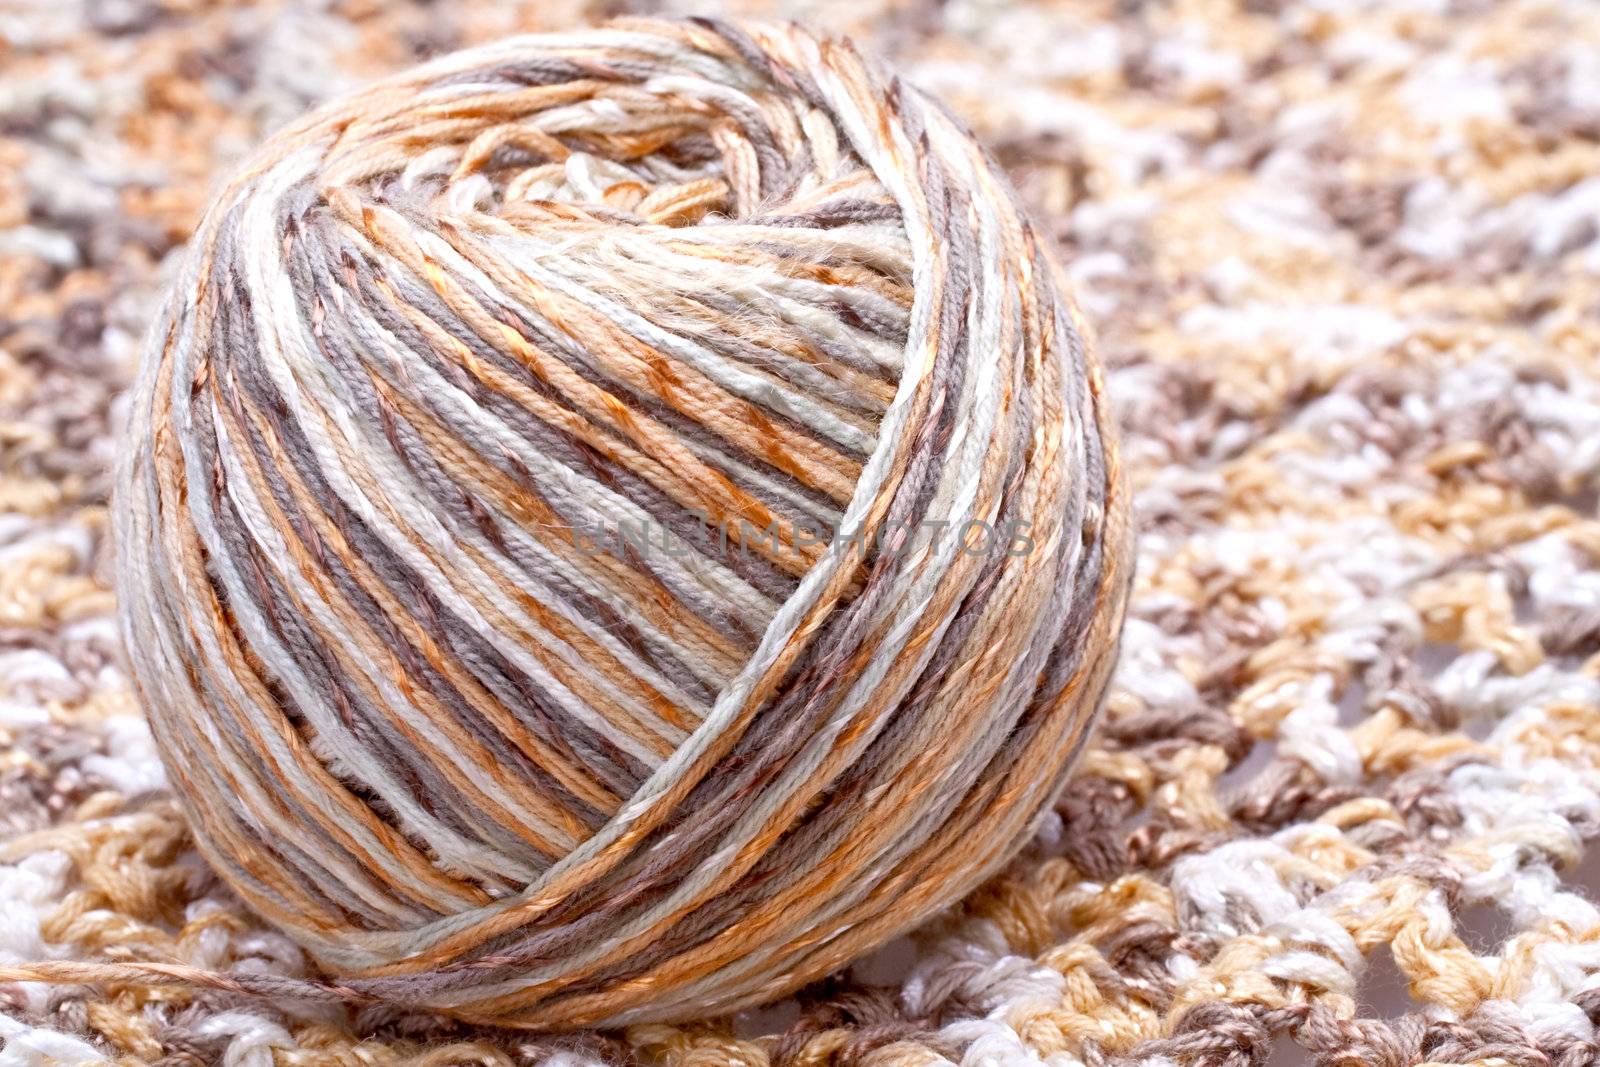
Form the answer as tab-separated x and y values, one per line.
548	539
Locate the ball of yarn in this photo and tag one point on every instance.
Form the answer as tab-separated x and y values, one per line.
617	524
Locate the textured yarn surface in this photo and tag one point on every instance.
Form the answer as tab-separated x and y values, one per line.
617	525
1342	265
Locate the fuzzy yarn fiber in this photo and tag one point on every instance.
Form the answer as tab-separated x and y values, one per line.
438	345
1343	801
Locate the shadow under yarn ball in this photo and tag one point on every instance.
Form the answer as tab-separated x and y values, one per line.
617	524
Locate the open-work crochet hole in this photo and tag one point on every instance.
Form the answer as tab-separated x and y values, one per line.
771	1019
1484	928
1286	1052
1586	875
1235	781
1382	991
1352	703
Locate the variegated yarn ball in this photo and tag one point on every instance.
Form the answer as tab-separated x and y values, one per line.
616	525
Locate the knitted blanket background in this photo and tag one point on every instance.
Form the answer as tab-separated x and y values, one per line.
1342	258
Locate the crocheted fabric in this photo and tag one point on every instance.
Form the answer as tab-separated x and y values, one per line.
1342	262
